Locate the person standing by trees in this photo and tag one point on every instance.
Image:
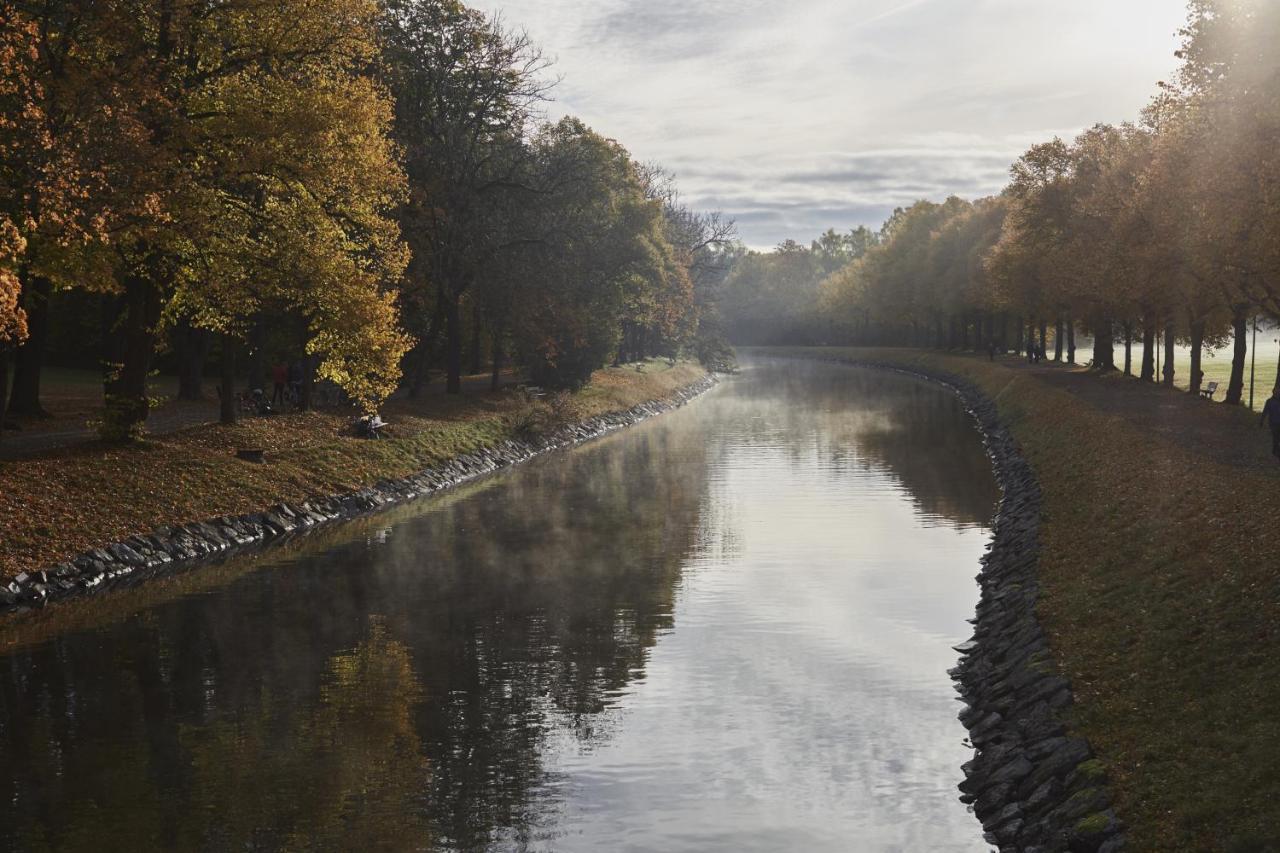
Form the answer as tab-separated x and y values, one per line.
1271	418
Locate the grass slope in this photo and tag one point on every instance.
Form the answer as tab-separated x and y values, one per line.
62	503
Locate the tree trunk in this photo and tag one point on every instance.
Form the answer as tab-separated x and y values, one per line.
193	349
1017	340
133	336
1104	357
977	332
1168	354
476	364
1044	336
495	380
1128	348
258	355
228	409
24	398
4	389
1148	373
453	345
309	364
419	369
425	351
1240	327
1071	341
1057	341
1197	350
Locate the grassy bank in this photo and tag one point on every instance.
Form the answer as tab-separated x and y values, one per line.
61	503
1161	574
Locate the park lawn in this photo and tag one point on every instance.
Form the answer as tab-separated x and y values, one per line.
1161	598
61	503
1216	365
72	396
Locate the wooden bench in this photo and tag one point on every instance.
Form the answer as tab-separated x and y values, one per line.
1209	390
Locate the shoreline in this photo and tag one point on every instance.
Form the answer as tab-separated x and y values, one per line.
1031	784
169	550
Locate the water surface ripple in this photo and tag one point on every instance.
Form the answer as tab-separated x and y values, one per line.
724	629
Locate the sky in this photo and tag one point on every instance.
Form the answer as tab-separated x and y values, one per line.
794	118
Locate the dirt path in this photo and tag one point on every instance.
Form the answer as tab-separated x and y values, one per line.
1229	435
70	430
169	418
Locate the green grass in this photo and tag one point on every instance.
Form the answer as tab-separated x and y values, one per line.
1216	365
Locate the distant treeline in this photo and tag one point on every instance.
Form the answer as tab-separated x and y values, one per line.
363	186
1163	230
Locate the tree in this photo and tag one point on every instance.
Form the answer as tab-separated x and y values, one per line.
465	89
258	168
1228	91
20	121
604	262
50	113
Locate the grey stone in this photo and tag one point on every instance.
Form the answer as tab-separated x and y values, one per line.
124	554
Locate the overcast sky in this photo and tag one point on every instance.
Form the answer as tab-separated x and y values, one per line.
792	118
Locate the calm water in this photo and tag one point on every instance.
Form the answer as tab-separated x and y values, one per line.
725	629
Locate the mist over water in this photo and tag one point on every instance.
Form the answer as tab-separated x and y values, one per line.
727	628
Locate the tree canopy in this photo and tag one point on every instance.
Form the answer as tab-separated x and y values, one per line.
368	181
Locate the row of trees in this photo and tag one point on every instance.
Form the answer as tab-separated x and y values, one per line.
1149	233
773	297
369	175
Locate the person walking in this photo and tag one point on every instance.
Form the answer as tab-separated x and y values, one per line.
1271	418
279	376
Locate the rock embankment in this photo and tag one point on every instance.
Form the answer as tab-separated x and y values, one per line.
1034	787
170	549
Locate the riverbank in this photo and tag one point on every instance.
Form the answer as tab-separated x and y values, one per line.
57	506
1159	574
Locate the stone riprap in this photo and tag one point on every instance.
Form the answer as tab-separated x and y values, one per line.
169	549
1034	787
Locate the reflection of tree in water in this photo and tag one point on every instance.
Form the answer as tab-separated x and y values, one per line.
277	714
933	448
356	747
343	773
544	600
918	431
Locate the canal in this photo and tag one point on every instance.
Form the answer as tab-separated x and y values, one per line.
727	628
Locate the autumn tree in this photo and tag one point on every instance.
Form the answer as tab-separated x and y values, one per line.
56	119
1221	151
20	124
258	168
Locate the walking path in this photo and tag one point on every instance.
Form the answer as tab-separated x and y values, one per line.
1229	435
69	431
169	418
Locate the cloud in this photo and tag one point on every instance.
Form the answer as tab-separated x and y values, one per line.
785	114
896	10
802	195
675	28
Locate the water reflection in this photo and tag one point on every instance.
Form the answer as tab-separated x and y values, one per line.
724	629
